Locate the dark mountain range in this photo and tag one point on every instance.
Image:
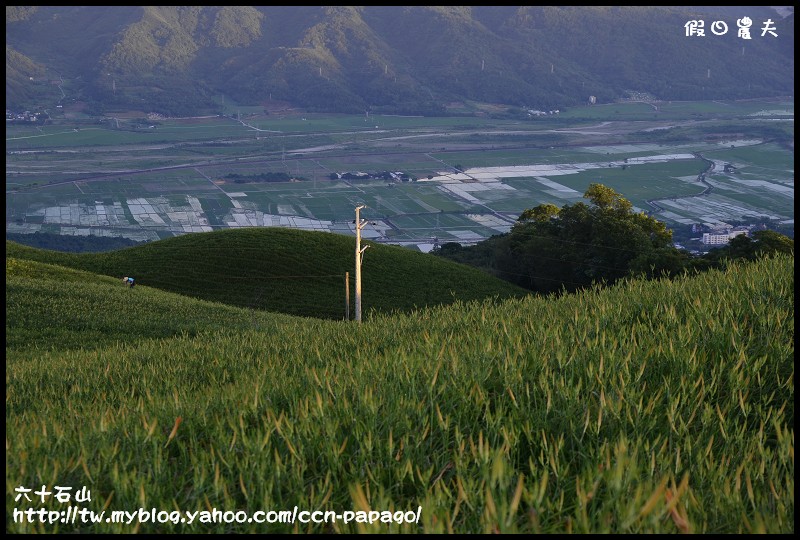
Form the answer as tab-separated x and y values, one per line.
403	59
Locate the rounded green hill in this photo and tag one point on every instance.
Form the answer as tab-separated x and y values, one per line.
287	271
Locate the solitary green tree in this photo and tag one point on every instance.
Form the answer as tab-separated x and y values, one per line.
550	249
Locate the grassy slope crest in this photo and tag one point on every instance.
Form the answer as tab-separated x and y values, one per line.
287	271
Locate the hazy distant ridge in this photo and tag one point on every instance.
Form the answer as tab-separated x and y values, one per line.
181	59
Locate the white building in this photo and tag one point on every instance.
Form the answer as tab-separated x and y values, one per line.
719	239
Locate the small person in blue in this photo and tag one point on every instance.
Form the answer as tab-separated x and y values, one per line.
128	281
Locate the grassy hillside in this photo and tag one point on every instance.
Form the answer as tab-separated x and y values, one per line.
645	407
287	271
50	307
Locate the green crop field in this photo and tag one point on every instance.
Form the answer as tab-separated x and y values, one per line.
672	110
648	407
618	111
79	134
644	181
764	158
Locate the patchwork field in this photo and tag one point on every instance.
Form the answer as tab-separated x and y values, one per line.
471	177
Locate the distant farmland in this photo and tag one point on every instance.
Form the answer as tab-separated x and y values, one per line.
472	176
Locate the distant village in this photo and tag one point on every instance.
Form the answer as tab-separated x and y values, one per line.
537	112
397	176
709	237
26	116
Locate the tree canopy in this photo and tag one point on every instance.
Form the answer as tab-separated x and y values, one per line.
763	244
551	249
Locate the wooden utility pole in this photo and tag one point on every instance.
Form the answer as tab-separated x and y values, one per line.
359	256
347	296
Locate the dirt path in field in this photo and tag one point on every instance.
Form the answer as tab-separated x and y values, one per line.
701	178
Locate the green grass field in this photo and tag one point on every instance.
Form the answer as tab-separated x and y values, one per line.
648	407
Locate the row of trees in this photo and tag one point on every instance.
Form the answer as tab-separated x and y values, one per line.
262	177
553	249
